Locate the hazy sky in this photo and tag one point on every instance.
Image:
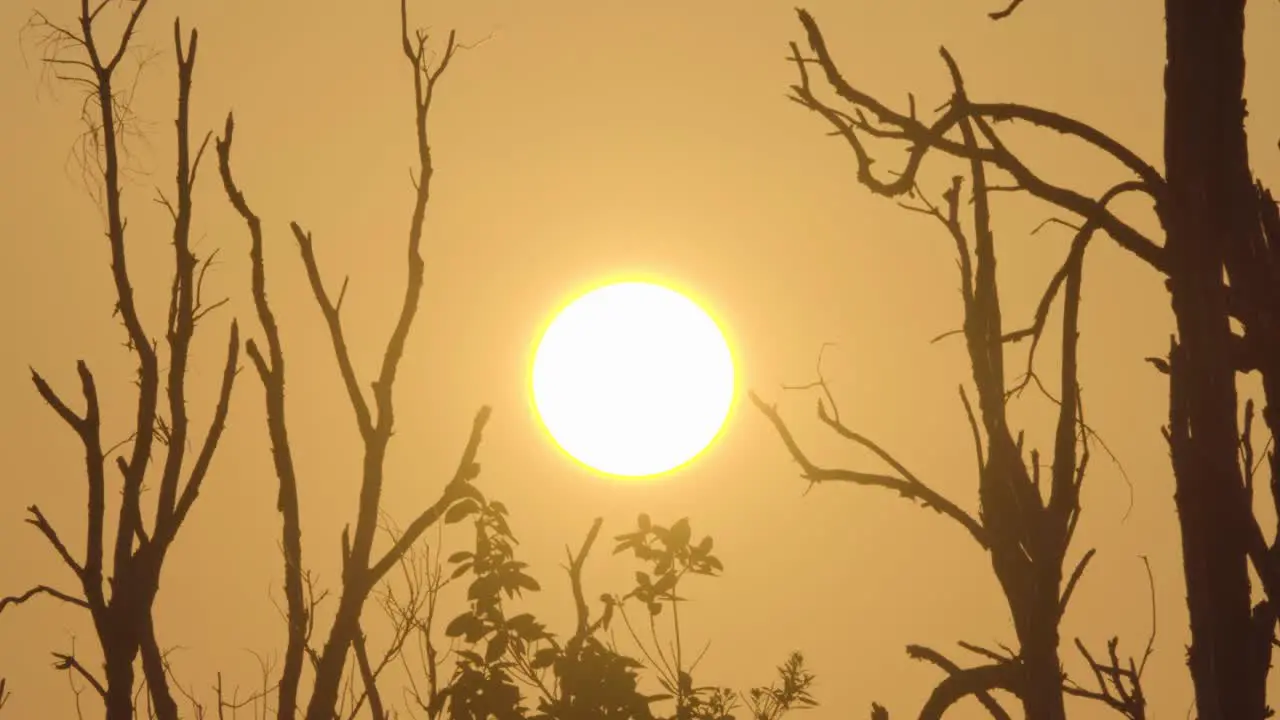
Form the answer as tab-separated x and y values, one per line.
587	138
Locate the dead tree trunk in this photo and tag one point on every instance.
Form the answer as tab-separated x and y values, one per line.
1211	203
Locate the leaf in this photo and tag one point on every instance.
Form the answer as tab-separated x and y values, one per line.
644	523
499	524
526	582
460	510
459	625
680	533
460	571
655	608
642	578
460	556
483	586
664	565
544	658
497	648
470	656
524	625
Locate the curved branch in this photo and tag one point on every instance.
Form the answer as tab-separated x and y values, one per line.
961	683
909	486
1006	12
1152	181
973	685
42	590
70	664
923	138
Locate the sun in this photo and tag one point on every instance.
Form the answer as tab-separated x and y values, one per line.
633	379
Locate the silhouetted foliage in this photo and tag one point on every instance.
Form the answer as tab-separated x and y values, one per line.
584	676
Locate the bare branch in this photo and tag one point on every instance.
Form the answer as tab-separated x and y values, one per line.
922	138
216	427
298	616
334	322
468	470
41	523
369	678
69	663
42	590
51	397
1007	11
959	684
583	625
919	652
908	485
1075	578
1118	686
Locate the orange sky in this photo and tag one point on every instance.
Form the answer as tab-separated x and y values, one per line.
587	138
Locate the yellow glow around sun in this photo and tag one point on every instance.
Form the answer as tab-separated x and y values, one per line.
633	379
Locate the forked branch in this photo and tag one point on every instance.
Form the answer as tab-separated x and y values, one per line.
922	137
906	484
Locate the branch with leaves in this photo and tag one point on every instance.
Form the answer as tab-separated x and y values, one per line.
508	662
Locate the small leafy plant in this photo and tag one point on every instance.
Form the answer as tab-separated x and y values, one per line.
509	666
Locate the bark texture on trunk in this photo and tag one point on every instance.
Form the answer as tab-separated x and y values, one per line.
1209	186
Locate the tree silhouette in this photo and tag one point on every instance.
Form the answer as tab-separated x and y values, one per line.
362	567
1216	219
119	592
499	664
1025	525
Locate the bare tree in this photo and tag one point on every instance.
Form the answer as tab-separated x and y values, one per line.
121	604
1024	524
362	567
1215	219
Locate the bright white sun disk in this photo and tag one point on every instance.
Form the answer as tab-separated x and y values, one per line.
633	379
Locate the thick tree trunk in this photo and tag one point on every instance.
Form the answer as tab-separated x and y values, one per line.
1209	186
333	659
1043	698
120	654
1030	573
